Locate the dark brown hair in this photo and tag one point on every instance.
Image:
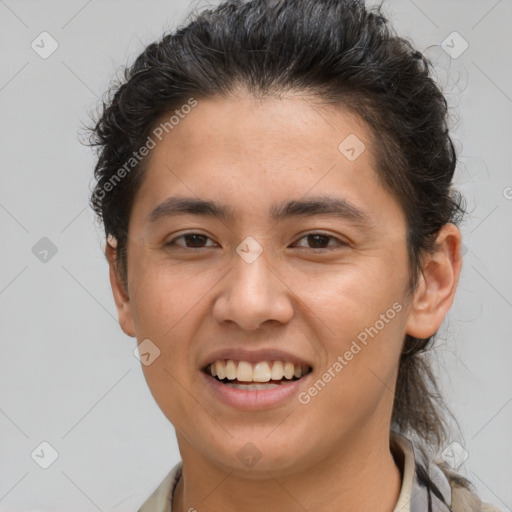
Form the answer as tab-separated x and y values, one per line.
345	55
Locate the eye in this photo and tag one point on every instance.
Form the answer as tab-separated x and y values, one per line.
320	239
196	239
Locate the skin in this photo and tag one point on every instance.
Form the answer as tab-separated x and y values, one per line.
250	154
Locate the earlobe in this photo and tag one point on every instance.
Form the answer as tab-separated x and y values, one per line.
121	297
437	285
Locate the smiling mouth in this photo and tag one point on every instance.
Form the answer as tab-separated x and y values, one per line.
255	376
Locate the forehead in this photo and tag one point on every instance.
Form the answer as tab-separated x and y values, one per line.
288	127
254	153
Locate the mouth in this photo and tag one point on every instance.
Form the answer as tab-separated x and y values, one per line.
255	376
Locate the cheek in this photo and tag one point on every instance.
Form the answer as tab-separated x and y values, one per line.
351	297
359	315
366	329
163	296
165	306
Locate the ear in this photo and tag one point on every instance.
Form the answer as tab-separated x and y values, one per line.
436	285
121	298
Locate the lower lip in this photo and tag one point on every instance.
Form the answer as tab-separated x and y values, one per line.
257	399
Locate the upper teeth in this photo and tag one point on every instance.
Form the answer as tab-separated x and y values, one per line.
256	372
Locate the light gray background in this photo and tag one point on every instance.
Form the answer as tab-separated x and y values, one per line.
68	375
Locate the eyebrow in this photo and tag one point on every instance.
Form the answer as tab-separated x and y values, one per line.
328	206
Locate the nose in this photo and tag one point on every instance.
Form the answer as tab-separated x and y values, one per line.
253	294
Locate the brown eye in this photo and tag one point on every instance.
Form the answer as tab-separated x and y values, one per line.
321	241
192	241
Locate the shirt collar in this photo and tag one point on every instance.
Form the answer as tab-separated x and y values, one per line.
413	495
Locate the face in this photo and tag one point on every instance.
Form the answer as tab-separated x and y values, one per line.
275	272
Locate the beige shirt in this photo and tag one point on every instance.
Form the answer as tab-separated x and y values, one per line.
413	496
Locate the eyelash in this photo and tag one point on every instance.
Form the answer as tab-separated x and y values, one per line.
196	249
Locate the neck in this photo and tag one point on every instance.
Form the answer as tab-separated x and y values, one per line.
361	476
